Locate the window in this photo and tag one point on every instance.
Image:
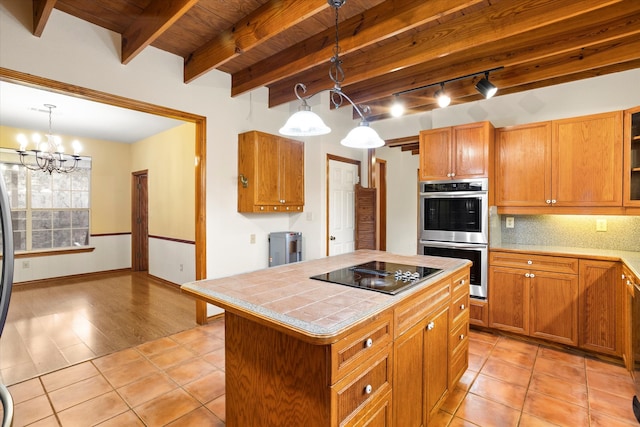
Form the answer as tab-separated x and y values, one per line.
48	211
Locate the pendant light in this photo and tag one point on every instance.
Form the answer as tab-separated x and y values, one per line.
305	122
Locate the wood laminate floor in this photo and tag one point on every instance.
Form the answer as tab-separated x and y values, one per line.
161	372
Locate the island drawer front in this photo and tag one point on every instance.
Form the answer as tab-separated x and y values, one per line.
360	390
417	307
534	262
376	414
460	283
459	364
460	334
459	307
359	345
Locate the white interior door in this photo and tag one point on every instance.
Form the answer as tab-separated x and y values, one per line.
343	177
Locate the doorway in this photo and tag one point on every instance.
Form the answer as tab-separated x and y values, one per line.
118	101
342	176
139	221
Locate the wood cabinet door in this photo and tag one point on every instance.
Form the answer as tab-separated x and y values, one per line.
509	299
435	154
409	378
600	307
267	172
470	150
554	307
587	160
436	356
291	169
523	165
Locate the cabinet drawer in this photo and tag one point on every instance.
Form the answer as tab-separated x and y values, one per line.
460	283
459	307
534	262
459	364
355	393
378	415
419	306
460	334
352	350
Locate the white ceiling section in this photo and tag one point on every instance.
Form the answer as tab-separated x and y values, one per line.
23	107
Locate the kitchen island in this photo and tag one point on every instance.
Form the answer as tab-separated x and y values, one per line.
301	351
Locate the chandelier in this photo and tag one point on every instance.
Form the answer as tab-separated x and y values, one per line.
305	122
49	154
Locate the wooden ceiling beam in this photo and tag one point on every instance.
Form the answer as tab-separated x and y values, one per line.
267	21
496	22
154	21
384	20
41	12
609	57
597	27
401	142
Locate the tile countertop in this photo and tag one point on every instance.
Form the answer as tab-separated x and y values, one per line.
631	259
286	297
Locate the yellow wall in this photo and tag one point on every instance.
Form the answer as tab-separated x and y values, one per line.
169	158
110	179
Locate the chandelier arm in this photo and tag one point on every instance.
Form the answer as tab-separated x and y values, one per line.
360	112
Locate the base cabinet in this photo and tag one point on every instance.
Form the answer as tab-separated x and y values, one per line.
540	301
601	307
421	376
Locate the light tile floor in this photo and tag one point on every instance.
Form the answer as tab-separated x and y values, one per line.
179	381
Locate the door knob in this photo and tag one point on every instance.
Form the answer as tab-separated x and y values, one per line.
332	237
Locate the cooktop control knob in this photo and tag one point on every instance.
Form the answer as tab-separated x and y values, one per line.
406	276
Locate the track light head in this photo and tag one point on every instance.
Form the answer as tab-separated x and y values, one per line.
485	87
441	96
397	108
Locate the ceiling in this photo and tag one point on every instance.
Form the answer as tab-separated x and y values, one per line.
23	107
387	46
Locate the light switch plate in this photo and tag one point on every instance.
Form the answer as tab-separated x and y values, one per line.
601	225
510	223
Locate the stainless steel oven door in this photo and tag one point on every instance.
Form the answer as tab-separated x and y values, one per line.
476	253
455	217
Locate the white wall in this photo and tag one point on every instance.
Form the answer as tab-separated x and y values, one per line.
83	54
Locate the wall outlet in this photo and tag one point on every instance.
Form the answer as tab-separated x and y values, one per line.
26	264
309	216
601	225
510	223
252	238
181	267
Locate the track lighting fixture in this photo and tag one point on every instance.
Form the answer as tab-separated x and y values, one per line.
485	87
441	96
397	108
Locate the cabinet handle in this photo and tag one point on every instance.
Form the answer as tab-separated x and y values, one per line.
461	337
529	262
533	275
453	174
553	201
368	389
430	326
461	306
368	343
462	282
527	275
548	201
623	276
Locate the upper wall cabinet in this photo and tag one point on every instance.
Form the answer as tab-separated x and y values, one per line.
270	173
632	157
565	163
456	152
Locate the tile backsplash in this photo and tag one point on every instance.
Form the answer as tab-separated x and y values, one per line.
622	232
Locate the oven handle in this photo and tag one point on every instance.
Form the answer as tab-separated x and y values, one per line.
453	194
439	244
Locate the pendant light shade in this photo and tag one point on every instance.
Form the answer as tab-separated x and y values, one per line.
304	122
362	136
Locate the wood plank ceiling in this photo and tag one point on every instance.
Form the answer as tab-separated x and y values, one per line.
387	46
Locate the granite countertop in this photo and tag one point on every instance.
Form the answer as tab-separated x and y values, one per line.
631	259
286	297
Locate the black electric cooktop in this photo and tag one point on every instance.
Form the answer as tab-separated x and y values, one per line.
380	276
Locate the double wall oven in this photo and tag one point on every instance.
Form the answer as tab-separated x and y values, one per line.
454	223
